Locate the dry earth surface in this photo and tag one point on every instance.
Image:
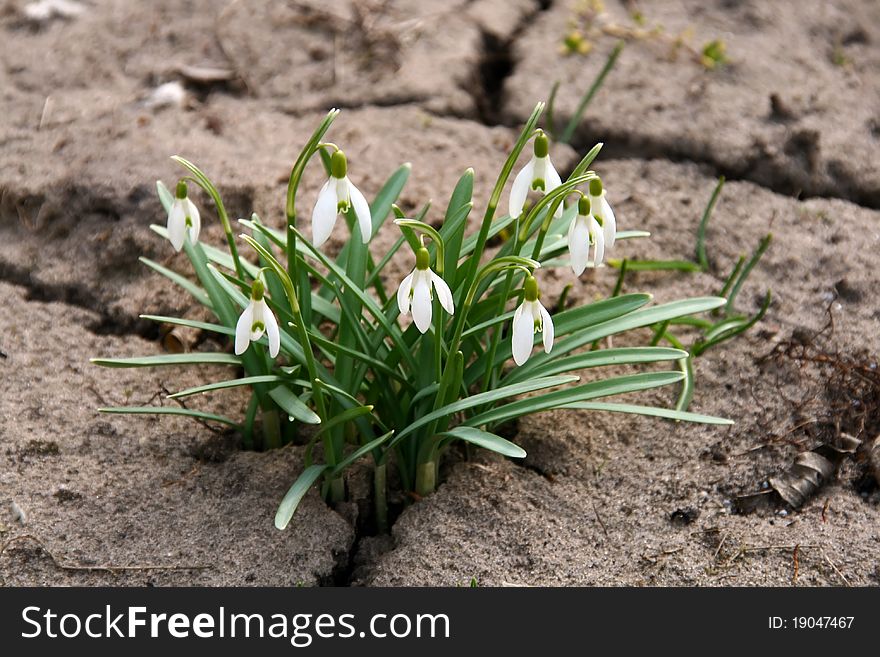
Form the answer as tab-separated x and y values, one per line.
601	499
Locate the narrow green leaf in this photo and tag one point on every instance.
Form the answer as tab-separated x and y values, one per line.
344	417
381	205
198	293
359	452
687	387
232	383
455	220
547	401
162	360
655	265
191	323
293	497
756	256
575	120
169	410
704	222
484	398
293	405
605	357
486	440
654	411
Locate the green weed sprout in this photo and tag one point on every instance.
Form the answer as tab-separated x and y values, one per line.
725	322
322	341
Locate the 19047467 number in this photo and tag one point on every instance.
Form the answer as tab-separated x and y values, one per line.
811	622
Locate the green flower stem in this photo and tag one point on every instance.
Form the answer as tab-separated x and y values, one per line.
380	496
495	266
336	489
271	429
205	183
426	478
336	485
296	174
473	263
550	201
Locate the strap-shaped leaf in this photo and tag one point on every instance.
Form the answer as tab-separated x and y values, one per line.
654	411
169	410
163	360
231	383
486	440
605	357
359	452
605	388
484	398
198	293
293	405
294	496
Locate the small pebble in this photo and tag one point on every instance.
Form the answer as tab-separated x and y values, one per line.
46	10
170	94
18	513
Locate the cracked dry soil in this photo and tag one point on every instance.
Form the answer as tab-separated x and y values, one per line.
600	499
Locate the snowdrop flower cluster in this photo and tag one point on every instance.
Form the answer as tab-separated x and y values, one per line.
338	354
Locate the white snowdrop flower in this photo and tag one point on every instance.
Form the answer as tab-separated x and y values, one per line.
414	292
183	219
257	319
336	196
531	317
584	231
539	173
603	212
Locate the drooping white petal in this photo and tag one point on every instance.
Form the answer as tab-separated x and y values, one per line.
195	220
546	328
403	293
362	210
598	235
243	329
579	244
177	224
523	333
551	182
609	225
421	301
520	189
444	294
325	212
271	331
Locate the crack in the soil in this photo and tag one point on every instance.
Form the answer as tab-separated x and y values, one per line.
779	177
495	64
795	175
80	297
